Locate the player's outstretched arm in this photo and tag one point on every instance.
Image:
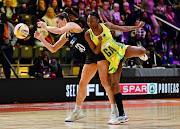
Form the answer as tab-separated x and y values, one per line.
95	49
55	30
50	47
123	28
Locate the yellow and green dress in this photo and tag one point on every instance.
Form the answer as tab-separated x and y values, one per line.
114	52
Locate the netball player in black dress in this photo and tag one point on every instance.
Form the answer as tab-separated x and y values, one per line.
73	33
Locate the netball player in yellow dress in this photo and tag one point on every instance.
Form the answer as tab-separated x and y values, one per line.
100	39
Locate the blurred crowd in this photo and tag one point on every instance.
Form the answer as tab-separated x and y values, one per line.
161	40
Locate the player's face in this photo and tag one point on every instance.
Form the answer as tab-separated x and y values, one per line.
92	21
59	23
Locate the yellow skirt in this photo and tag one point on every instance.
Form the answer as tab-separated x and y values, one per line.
116	59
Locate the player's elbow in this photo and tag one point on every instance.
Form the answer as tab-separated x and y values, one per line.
96	52
142	50
53	49
124	29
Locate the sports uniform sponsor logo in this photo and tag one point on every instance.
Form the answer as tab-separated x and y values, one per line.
73	40
168	88
138	88
70	34
80	47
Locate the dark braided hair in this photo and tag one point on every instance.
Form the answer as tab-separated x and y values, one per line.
95	14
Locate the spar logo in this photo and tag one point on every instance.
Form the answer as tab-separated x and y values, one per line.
152	88
138	88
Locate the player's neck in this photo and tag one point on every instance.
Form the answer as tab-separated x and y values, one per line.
96	28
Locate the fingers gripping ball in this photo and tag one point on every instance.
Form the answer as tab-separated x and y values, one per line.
21	30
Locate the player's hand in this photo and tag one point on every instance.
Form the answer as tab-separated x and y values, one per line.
141	24
38	35
42	24
100	39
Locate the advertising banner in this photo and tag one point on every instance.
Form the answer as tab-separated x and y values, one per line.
62	90
138	88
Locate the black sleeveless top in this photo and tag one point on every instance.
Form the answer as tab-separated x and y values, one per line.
78	41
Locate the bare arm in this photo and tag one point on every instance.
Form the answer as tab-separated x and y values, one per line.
56	30
50	47
123	28
95	49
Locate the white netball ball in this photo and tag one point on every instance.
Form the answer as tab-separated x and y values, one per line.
21	30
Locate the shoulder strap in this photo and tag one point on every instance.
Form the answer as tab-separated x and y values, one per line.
102	24
91	33
67	36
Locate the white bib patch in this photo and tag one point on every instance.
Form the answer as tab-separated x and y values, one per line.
105	45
